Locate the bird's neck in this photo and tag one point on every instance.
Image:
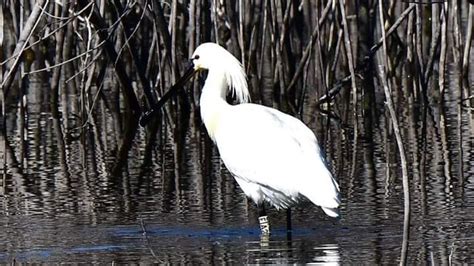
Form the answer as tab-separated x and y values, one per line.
213	100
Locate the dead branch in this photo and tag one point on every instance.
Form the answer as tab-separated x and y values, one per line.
99	23
25	35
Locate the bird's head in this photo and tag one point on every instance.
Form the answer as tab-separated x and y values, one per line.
213	57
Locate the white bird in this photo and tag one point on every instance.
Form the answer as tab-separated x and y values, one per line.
273	156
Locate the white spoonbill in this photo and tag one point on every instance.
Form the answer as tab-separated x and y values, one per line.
273	156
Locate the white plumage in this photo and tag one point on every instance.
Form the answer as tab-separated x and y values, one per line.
273	156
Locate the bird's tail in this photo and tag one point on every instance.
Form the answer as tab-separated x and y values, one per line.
333	212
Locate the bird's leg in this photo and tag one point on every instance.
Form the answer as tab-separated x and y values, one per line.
263	220
288	220
288	224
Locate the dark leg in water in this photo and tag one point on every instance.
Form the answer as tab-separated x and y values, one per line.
289	227
289	231
263	220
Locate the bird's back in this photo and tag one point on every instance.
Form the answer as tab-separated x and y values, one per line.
277	153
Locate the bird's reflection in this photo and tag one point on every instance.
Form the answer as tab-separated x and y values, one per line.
284	250
327	254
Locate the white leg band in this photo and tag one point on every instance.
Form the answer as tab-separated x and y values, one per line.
264	225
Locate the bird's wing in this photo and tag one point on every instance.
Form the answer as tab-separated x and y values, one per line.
275	150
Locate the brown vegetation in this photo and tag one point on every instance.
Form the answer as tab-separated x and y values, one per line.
106	61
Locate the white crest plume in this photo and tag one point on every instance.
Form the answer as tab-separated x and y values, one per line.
236	79
219	59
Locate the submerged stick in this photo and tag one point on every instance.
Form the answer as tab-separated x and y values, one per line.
145	234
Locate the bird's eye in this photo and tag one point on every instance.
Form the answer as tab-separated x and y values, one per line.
196	57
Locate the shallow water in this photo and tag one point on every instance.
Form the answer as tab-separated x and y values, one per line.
61	202
119	194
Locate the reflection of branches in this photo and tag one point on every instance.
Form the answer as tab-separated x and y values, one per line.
398	137
14	167
468	104
131	126
153	131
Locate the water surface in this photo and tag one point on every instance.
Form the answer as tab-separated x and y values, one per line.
172	200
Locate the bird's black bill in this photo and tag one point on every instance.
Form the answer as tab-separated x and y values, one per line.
148	115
